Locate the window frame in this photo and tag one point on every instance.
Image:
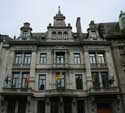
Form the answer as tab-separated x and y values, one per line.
60	58
77	58
77	75
43	81
43	59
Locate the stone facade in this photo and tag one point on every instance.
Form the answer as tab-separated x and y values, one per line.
60	71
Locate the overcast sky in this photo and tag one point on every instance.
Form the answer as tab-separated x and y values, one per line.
13	13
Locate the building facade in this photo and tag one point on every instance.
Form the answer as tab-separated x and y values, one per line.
60	71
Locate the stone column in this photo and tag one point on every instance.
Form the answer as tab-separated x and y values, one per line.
47	106
32	69
74	105
88	69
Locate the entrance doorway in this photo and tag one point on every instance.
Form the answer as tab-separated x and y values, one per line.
104	108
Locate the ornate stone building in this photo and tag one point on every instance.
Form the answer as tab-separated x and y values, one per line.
60	71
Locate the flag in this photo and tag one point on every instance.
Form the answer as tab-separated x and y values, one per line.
27	80
58	76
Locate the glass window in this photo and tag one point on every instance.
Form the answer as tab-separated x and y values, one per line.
25	80
11	106
60	57
23	58
42	81
79	84
18	58
27	59
67	106
16	80
92	58
94	36
41	107
54	106
80	106
76	58
60	79
95	79
43	58
101	59
105	81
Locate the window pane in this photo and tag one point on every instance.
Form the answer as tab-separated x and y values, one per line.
105	82
16	80
27	58
25	80
80	106
43	58
92	58
79	84
95	78
41	107
60	57
60	79
42	81
101	59
76	58
18	58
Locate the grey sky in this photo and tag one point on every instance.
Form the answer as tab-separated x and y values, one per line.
13	13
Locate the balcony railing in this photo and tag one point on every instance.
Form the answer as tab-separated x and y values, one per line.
9	86
98	65
101	90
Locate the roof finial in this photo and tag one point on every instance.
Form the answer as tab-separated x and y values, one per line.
59	11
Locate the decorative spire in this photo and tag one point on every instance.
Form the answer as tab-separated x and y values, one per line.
59	10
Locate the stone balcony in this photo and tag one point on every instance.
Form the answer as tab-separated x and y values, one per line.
103	91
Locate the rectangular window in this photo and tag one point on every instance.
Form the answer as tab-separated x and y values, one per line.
23	58
21	106
60	79
54	106
101	59
27	58
105	81
16	80
80	106
43	58
77	58
41	106
96	58
67	106
25	80
92	58
60	57
95	79
11	106
42	81
18	58
79	84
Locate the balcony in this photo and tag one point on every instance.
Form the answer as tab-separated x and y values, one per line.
103	91
9	88
60	92
21	66
60	66
98	65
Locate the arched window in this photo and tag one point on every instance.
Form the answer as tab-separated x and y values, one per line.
53	35
60	35
65	35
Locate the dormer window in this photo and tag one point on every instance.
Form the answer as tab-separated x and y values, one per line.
93	35
59	35
65	35
53	35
